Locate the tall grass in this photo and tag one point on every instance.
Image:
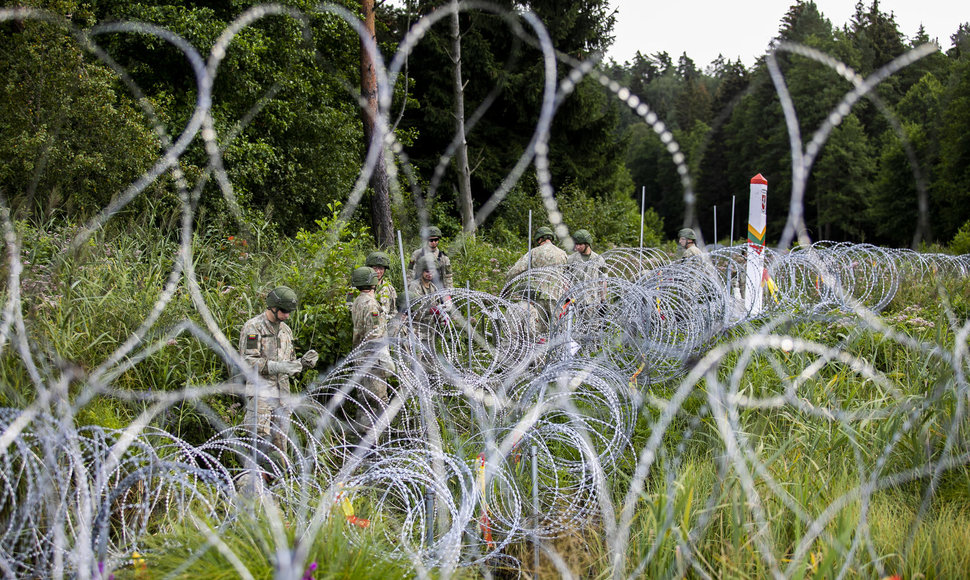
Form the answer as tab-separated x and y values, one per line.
253	544
695	515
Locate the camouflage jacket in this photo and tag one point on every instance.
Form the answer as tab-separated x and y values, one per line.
370	321
688	252
586	268
261	341
431	311
577	258
386	296
416	289
443	261
544	255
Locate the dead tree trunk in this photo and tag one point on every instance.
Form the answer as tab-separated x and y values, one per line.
461	152
380	204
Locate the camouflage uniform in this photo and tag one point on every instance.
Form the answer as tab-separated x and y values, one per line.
417	289
442	262
370	323
692	250
370	320
578	258
585	268
386	296
261	342
548	254
548	291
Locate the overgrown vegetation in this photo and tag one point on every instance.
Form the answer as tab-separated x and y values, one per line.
81	303
72	139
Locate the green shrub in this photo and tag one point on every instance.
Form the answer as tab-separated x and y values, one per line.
613	221
480	264
318	267
961	242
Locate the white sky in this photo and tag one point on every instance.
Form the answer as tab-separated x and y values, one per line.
704	28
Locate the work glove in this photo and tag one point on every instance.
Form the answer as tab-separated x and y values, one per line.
284	367
309	360
440	315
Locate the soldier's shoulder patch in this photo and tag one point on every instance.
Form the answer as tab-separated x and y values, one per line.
252	340
375	313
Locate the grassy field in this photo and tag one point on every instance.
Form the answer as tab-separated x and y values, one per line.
828	447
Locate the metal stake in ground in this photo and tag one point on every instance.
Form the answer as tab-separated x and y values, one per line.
535	510
429	516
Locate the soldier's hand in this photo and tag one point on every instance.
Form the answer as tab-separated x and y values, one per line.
284	367
309	360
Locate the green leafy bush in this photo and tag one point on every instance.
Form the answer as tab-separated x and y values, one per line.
318	267
613	220
480	264
961	242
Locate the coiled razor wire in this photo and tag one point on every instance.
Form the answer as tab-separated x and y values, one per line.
69	495
549	378
574	399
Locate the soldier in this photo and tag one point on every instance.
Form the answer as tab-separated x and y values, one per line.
445	279
370	320
370	324
586	265
385	293
548	291
687	240
426	284
266	344
583	248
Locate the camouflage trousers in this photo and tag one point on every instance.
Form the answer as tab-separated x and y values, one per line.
539	316
269	422
373	387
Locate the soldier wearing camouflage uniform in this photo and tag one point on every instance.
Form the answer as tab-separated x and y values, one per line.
687	240
266	344
370	324
422	286
385	293
424	283
548	290
442	269
585	265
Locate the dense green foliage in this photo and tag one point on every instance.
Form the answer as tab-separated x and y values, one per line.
865	184
74	136
504	82
70	138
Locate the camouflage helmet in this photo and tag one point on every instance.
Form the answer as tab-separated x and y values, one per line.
432	232
544	232
426	262
583	237
281	297
687	233
363	277
378	259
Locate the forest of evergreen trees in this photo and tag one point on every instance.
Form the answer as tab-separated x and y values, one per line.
286	110
863	186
